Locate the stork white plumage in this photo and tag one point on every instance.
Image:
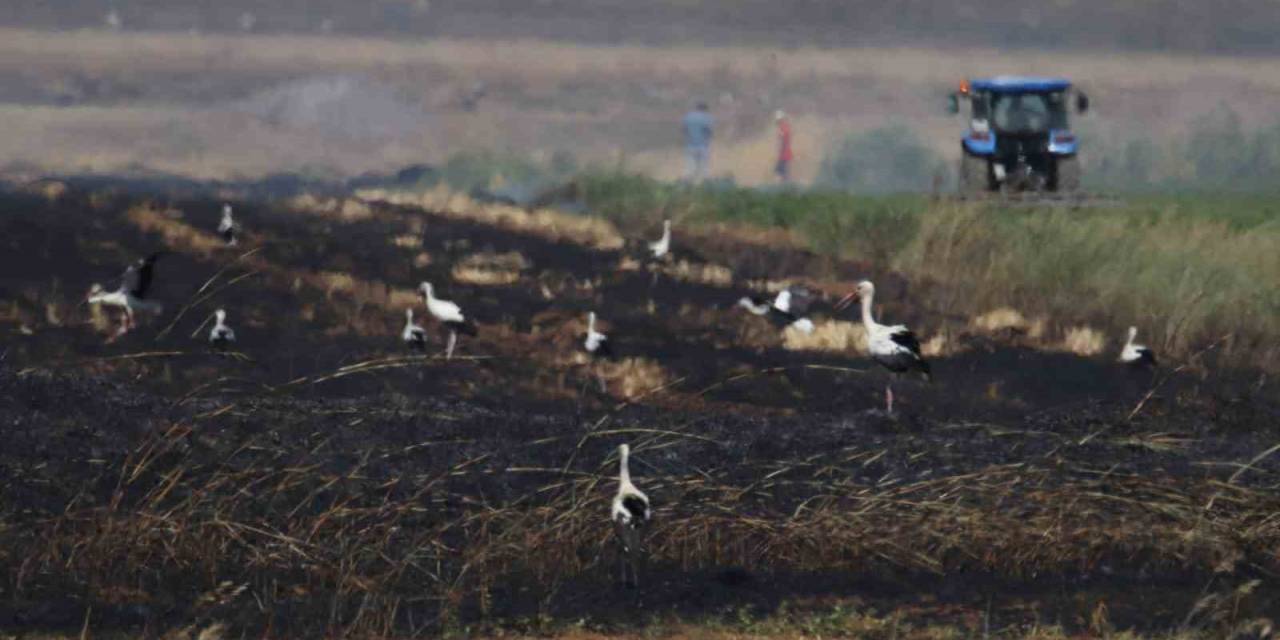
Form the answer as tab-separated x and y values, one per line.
1136	355
893	346
661	247
413	335
787	309
449	314
630	513
227	227
131	296
597	346
596	343
221	336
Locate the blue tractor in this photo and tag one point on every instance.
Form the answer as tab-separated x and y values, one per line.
1019	137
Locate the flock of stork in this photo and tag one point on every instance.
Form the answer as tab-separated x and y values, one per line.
894	347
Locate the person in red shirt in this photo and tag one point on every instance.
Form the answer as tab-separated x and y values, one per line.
783	168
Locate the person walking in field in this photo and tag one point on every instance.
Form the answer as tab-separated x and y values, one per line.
698	127
785	155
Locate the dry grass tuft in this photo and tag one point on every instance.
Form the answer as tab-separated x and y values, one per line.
828	335
491	269
628	263
407	241
342	209
1006	320
403	299
939	345
709	274
175	232
332	282
633	377
1083	341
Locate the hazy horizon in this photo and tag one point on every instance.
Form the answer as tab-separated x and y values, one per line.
231	89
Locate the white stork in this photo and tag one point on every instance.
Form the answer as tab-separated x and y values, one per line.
1136	355
413	335
661	247
597	346
894	347
449	314
221	336
630	514
596	343
131	296
787	309
227	228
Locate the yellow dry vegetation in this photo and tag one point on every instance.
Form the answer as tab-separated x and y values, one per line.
633	377
827	335
551	225
342	209
1083	341
406	241
1005	320
489	269
174	232
939	345
701	273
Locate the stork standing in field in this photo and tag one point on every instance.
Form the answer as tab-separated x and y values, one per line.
449	314
131	296
630	514
661	247
227	228
597	345
221	336
787	309
658	251
893	346
1136	355
413	335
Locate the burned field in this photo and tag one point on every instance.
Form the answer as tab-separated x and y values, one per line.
321	479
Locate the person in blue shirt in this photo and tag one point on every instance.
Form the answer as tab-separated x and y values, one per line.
697	126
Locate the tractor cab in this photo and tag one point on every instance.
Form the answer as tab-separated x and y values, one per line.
1019	135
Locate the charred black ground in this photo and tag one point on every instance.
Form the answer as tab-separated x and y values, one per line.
162	484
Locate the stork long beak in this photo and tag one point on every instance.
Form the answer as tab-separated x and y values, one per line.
844	302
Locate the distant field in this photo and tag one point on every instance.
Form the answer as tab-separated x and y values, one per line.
96	100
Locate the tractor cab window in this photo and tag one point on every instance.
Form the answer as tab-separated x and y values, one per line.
1029	112
981	106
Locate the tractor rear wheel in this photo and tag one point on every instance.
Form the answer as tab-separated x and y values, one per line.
974	175
1068	178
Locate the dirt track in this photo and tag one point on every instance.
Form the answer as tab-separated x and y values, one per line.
1017	476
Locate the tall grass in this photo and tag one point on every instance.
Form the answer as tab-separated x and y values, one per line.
1189	270
1188	280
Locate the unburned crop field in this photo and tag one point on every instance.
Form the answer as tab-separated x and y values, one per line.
320	480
